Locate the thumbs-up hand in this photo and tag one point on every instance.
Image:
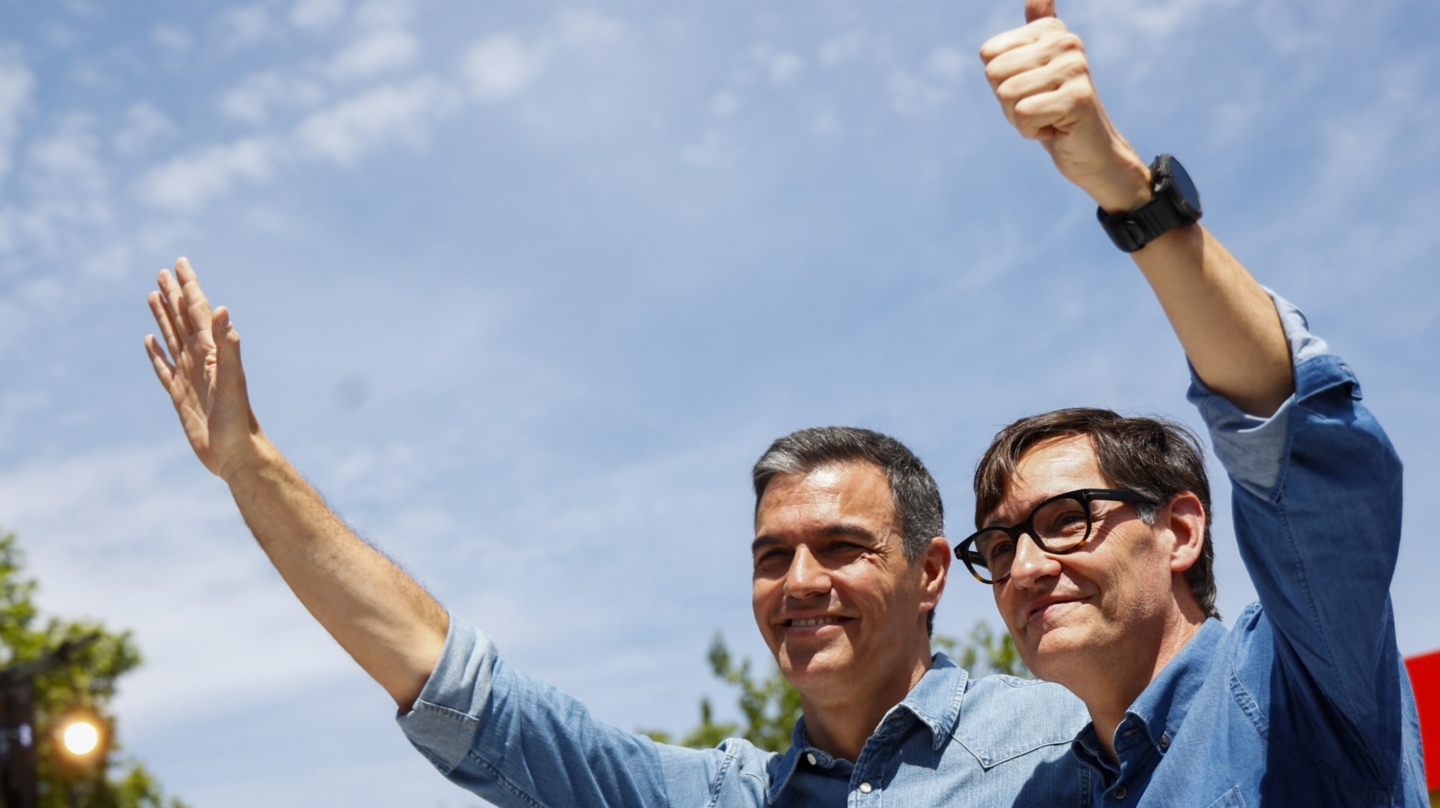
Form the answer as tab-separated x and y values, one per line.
1041	77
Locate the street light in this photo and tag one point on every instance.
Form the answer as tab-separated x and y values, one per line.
80	735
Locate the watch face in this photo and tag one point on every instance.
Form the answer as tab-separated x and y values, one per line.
1185	187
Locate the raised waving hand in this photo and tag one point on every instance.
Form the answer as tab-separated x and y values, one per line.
199	365
387	621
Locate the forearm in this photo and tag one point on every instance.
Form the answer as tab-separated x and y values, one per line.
1226	323
391	626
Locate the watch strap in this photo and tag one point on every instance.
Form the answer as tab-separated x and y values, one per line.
1167	210
1132	230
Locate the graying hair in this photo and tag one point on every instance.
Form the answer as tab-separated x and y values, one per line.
916	497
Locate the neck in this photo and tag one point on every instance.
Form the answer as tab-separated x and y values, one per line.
1120	678
840	723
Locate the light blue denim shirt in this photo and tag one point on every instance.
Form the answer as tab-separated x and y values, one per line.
1305	701
996	741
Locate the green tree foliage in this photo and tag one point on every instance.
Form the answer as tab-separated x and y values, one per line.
84	683
770	706
984	652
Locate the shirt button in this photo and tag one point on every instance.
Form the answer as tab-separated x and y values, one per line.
810	756
1120	793
866	788
1165	741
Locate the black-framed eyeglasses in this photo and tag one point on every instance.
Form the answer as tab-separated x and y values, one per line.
1058	525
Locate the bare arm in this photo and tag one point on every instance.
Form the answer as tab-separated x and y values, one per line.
1225	321
382	617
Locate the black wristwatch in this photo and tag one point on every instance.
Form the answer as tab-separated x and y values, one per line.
1176	204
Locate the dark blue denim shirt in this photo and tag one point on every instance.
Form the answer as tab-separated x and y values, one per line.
1305	700
997	741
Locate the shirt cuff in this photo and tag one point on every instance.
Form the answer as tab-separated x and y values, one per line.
1253	449
444	719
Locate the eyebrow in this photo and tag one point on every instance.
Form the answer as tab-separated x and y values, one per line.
854	531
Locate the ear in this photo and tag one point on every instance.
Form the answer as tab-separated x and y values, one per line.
934	571
1184	518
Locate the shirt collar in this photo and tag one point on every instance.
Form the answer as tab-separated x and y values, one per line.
1162	705
934	701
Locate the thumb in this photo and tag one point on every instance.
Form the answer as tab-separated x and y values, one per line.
227	342
1039	9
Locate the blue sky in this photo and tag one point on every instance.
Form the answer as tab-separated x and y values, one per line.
526	287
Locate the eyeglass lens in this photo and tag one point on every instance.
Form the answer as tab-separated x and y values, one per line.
1058	525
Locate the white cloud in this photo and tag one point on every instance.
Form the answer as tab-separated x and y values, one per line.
63	197
375	53
251	100
188	182
16	85
502	66
317	15
68	189
782	66
402	113
143	124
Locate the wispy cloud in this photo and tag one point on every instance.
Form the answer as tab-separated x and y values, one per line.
375	53
314	15
188	182
502	66
241	27
253	99
392	114
144	124
16	85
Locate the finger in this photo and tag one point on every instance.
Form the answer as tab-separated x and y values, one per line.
163	320
1045	115
196	307
230	375
1053	53
1020	37
1039	9
164	371
174	301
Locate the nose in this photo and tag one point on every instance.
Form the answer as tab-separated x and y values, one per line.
807	576
1031	563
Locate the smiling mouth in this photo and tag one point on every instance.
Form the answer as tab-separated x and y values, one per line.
1039	611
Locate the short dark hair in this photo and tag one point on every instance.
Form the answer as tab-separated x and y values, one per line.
913	490
1151	456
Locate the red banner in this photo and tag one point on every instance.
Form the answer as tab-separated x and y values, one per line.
1425	678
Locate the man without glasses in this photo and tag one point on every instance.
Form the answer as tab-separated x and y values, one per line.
1095	528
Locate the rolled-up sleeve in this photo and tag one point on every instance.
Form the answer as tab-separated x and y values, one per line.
1317	506
517	741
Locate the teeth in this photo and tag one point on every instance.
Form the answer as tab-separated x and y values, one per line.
813	621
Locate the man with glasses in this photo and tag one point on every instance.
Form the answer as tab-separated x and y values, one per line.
1094	528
